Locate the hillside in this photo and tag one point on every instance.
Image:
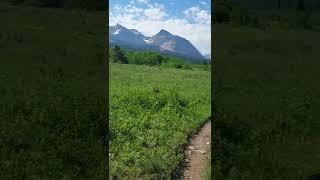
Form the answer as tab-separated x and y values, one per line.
163	42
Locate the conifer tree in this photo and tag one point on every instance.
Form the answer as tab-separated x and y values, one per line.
118	55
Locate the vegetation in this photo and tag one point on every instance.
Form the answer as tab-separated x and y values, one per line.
208	171
116	54
266	96
53	100
92	5
222	11
244	14
152	111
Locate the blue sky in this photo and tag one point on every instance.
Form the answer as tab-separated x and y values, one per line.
190	19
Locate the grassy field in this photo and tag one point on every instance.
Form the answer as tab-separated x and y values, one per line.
266	98
152	111
53	94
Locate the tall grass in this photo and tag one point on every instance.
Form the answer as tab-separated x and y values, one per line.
152	111
53	98
266	99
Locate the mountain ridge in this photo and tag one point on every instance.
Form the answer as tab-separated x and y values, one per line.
163	42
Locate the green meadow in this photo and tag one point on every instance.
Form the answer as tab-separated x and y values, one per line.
52	94
266	92
153	109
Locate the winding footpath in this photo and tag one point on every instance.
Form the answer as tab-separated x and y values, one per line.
197	154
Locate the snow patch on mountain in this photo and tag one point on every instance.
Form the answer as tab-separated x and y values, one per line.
163	41
117	31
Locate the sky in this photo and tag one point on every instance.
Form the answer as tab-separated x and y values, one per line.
190	19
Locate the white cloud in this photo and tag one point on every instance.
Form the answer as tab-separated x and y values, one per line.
198	15
203	3
117	7
132	9
151	20
155	12
143	1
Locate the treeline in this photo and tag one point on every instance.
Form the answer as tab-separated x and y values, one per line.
66	4
118	55
291	14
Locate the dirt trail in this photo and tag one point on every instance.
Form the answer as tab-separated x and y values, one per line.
197	154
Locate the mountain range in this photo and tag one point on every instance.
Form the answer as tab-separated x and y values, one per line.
163	42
